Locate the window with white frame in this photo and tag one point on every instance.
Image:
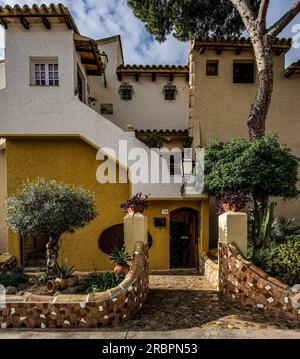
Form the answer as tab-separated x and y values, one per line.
44	72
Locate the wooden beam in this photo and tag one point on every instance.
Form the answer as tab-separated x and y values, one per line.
46	23
202	50
24	22
3	23
120	76
93	73
238	50
219	50
84	49
86	61
290	72
68	23
153	76
278	51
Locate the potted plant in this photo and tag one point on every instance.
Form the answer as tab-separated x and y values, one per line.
136	204
232	202
63	278
154	140
121	258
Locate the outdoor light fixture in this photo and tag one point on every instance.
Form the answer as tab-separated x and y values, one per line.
187	163
170	91
104	59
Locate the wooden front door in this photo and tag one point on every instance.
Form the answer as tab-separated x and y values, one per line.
184	233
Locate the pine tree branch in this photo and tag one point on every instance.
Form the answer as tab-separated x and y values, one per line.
276	29
247	14
262	14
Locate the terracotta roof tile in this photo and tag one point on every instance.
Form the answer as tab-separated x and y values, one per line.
54	14
184	69
212	42
293	69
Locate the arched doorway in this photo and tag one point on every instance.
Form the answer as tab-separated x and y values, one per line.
184	233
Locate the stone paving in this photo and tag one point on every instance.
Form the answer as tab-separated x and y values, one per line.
189	302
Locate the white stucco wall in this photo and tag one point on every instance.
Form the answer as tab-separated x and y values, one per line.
148	109
2	74
43	110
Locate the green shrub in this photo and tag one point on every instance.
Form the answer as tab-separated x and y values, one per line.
154	140
12	279
64	271
120	256
261	168
101	282
283	228
283	260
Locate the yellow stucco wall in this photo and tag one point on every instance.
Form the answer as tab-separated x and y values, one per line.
221	108
159	253
73	162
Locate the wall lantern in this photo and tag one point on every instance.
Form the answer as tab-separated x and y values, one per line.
126	91
170	91
187	166
104	59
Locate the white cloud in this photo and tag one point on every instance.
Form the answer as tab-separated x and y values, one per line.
102	18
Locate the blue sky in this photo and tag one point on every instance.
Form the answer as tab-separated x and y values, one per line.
102	18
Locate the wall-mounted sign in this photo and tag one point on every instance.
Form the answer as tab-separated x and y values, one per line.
164	211
160	222
106	109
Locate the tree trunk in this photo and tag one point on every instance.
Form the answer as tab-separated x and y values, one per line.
259	110
52	252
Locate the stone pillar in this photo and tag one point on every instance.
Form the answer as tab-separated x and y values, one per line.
135	230
233	228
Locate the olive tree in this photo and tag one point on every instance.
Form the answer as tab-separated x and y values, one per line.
260	168
187	19
52	209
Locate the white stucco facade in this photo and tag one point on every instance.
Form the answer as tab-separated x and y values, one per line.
56	110
3	195
148	108
2	74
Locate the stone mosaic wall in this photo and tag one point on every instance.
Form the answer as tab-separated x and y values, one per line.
245	283
209	269
82	311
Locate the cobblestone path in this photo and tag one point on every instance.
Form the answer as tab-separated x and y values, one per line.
189	302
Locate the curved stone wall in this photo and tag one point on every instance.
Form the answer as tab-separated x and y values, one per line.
247	284
81	310
209	269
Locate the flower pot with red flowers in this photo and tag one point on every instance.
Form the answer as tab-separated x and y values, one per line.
136	204
120	257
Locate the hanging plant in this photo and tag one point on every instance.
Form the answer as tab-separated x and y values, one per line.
154	140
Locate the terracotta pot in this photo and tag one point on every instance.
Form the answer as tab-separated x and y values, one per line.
121	269
230	207
59	284
138	208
